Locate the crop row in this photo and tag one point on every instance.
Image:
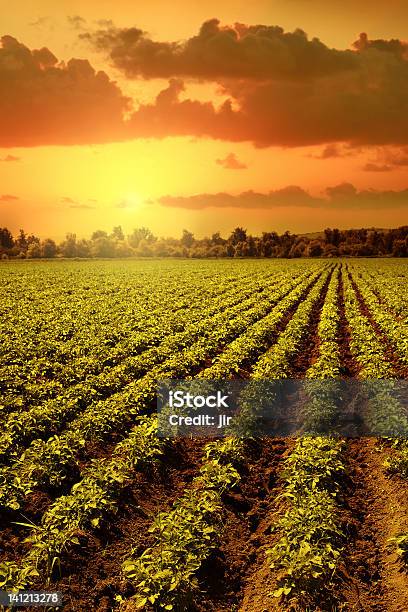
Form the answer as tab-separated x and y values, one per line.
95	496
164	575
25	391
257	338
384	414
184	536
42	378
307	553
52	460
390	287
308	549
276	362
126	299
396	331
206	336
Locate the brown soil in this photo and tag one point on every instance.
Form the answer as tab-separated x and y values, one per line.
237	576
91	573
246	366
350	368
247	521
374	578
308	351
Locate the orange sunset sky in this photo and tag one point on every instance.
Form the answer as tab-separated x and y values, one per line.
273	115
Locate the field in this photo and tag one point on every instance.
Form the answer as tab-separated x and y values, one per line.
95	505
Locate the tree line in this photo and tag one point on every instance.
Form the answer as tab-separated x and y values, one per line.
142	243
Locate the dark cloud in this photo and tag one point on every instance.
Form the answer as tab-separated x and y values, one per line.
394	46
231	162
343	190
217	52
343	196
370	167
289	90
67	200
45	102
8	198
397	157
333	150
10	158
281	89
288	196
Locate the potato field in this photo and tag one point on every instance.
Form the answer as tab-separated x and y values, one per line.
95	505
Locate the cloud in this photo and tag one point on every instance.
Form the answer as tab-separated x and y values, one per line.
397	157
46	102
331	151
76	21
338	197
38	23
231	162
82	206
122	204
370	167
288	196
10	158
388	159
75	204
105	23
219	52
394	46
282	88
8	198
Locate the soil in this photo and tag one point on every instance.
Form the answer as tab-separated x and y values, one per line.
308	351
378	510
373	507
92	573
247	523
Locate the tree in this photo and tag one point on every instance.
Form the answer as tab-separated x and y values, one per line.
34	251
117	233
99	234
122	249
21	241
144	249
314	249
237	235
6	239
216	239
83	248
32	238
399	248
48	248
330	250
103	247
69	247
139	234
187	239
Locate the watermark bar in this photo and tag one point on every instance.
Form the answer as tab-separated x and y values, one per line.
288	407
25	599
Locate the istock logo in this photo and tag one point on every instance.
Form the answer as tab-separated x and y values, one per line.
179	399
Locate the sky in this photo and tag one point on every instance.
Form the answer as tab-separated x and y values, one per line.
271	114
